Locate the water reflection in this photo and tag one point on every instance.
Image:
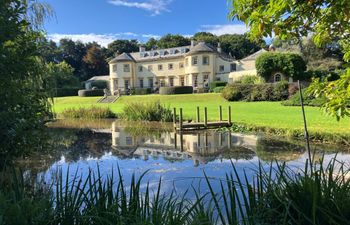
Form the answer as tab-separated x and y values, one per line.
200	147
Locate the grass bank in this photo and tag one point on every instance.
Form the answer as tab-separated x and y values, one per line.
269	117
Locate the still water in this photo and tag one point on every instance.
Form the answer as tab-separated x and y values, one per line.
180	160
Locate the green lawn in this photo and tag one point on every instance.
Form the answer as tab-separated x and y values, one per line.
264	114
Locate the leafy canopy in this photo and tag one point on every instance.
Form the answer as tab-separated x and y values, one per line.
328	20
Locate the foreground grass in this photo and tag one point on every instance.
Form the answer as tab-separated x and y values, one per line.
254	115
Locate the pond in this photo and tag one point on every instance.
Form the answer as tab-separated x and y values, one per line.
180	160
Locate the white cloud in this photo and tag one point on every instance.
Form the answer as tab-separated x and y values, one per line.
225	29
156	7
102	39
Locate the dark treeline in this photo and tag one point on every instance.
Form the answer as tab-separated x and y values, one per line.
91	59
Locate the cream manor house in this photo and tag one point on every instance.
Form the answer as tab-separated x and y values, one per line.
196	65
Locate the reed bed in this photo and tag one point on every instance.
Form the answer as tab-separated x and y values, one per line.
278	195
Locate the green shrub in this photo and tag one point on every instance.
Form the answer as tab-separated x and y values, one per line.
322	74
218	89
256	92
100	84
309	100
141	91
175	90
250	79
62	92
90	93
150	111
290	64
88	113
215	84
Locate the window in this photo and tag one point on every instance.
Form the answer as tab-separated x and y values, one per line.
140	68
218	79
222	68
150	82
170	66
195	80
128	140
126	68
162	83
277	77
205	60
160	67
182	81
150	68
205	76
141	83
114	68
186	61
233	67
126	84
194	60
181	65
171	81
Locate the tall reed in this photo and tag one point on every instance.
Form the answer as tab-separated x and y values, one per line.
149	111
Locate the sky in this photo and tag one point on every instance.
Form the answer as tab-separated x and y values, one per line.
106	20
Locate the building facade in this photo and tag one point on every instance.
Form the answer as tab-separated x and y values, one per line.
196	65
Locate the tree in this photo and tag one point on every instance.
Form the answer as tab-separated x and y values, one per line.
60	75
206	37
171	41
49	51
94	62
151	44
120	46
239	45
328	20
24	102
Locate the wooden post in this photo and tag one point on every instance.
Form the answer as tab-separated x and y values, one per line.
181	119
198	118
220	113
229	139
205	117
181	142
175	139
174	117
229	115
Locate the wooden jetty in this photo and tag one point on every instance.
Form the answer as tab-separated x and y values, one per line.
180	125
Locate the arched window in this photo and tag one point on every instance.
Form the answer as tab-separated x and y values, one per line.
277	77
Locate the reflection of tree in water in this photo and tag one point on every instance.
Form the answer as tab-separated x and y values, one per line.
238	152
272	149
148	129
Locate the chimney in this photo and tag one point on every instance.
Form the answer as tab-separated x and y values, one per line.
219	48
192	43
142	48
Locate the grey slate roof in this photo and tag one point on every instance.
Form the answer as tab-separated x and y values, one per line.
254	55
104	77
123	58
201	47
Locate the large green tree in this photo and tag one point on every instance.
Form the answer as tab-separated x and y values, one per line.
95	63
171	40
120	46
328	20
24	103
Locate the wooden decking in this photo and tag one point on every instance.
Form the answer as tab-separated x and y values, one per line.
180	125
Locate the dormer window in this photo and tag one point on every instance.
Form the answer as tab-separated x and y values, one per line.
166	53
176	51
156	54
146	54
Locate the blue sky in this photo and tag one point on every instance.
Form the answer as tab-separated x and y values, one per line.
106	20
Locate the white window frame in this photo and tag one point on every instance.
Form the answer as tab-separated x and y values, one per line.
195	60
114	68
203	60
170	66
126	68
221	68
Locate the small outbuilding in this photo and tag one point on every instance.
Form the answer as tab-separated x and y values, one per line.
96	79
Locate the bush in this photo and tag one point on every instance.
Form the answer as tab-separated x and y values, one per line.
100	84
62	92
290	64
322	74
140	91
250	79
218	89
309	100
256	92
88	113
176	90
151	111
215	84
90	93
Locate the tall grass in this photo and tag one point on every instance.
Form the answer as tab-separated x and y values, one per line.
148	111
88	113
278	195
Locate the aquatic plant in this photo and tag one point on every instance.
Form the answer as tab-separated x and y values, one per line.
88	113
149	111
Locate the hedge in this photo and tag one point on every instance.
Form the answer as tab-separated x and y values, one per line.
90	93
218	89
62	92
215	84
256	92
141	91
176	90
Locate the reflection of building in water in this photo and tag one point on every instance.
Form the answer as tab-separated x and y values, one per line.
201	147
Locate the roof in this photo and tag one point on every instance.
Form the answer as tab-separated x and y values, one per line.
201	47
122	58
254	55
95	78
